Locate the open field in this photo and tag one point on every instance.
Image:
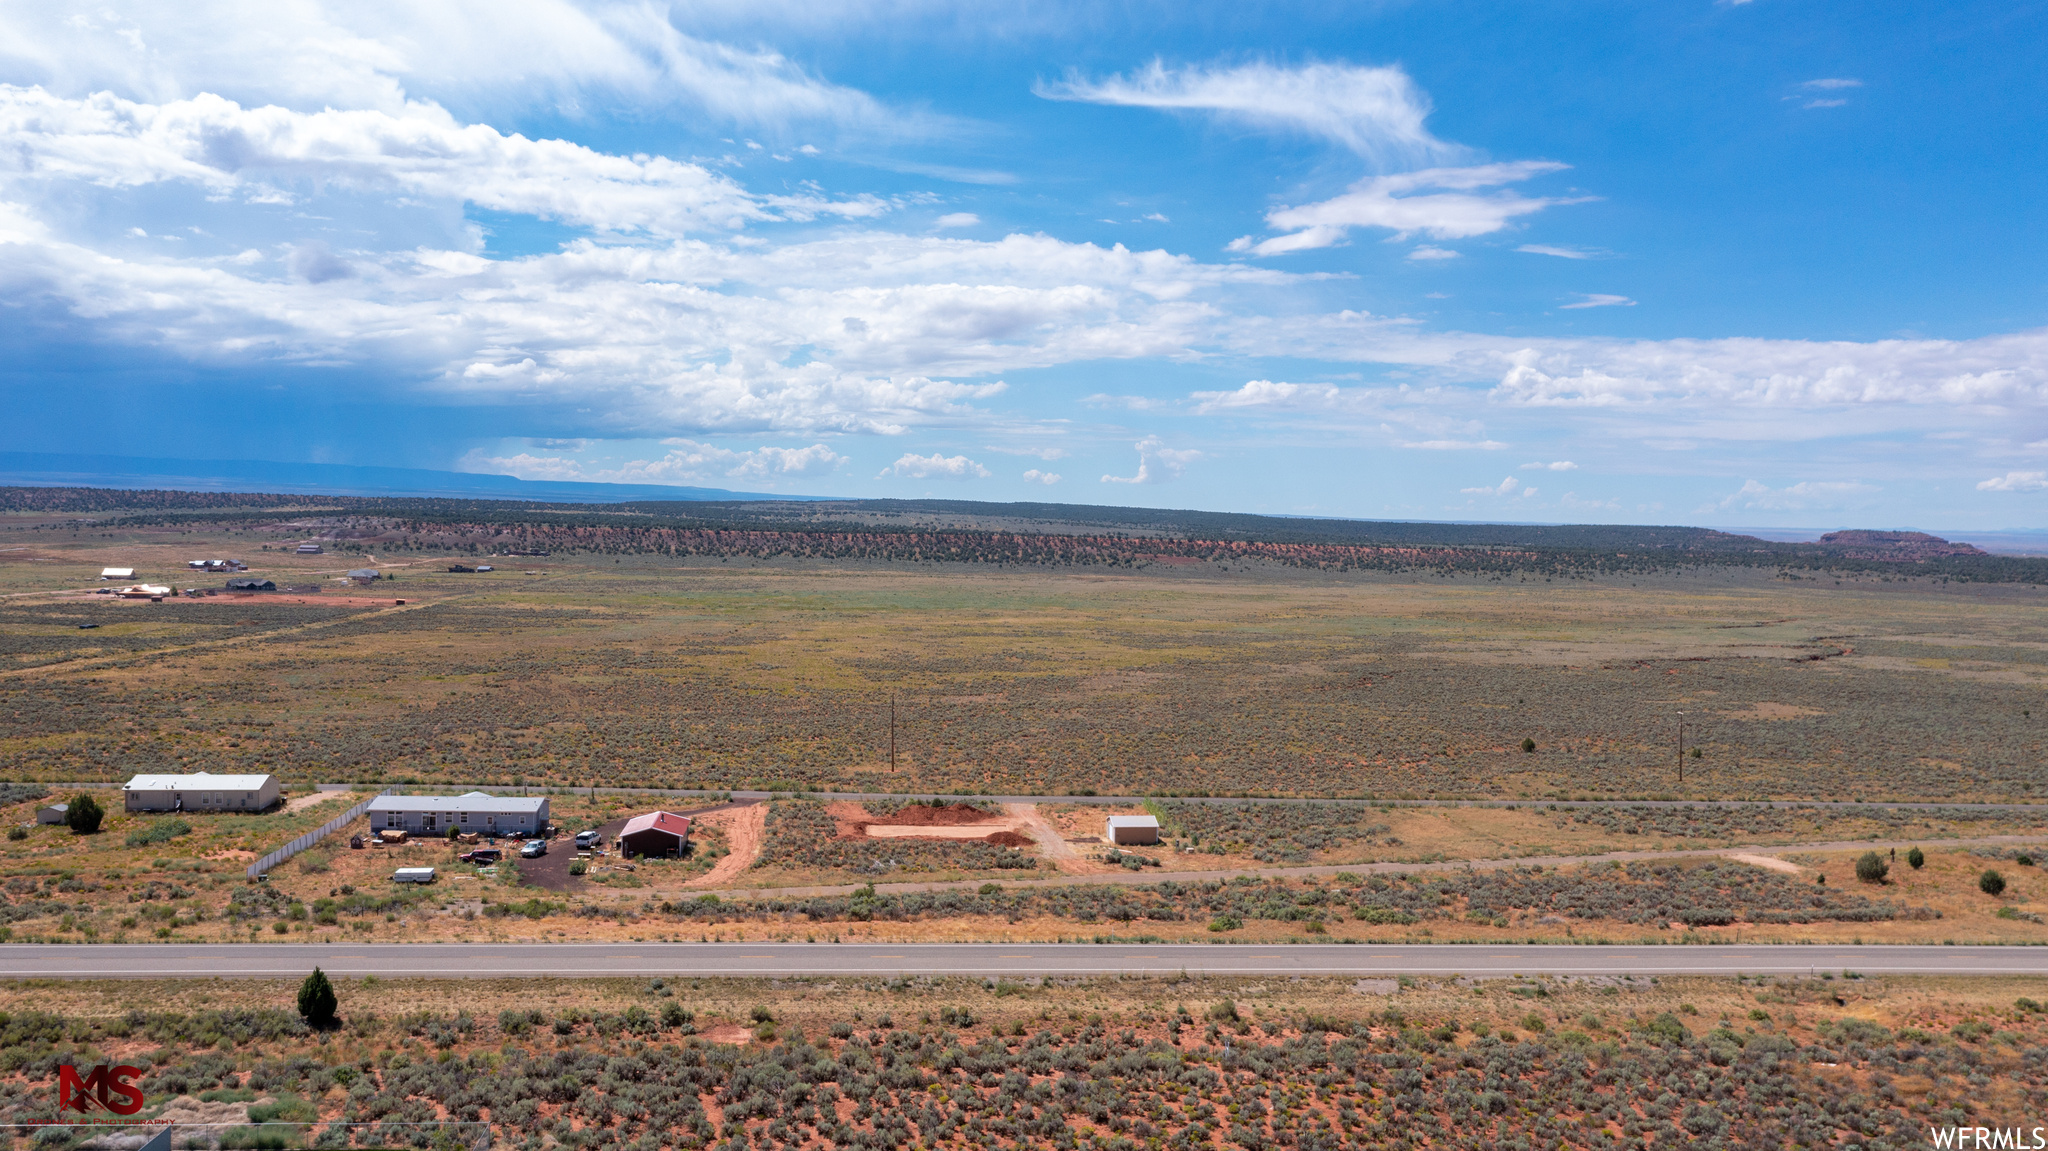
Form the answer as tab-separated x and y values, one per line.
1211	677
1169	1061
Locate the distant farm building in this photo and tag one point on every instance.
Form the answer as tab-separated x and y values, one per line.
658	833
475	811
200	792
117	573
1132	829
309	549
463	568
53	813
365	575
251	583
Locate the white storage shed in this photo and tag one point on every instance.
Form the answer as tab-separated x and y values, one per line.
200	792
1132	829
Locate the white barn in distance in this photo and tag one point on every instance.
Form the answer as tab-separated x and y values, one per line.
1125	830
476	811
201	791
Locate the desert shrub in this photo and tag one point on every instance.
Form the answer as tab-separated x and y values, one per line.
1871	867
317	1002
158	831
82	815
801	834
1915	858
1272	833
1991	882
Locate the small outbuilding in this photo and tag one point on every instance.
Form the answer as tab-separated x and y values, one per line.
310	549
200	791
1125	830
251	583
660	834
476	811
413	875
53	813
117	573
366	575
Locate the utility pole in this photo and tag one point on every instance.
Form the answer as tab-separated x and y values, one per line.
892	734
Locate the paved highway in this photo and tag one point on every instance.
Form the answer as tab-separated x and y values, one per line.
1015	960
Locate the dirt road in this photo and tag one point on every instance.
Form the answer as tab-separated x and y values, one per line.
745	829
1050	843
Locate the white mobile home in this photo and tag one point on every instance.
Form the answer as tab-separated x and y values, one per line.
476	812
200	792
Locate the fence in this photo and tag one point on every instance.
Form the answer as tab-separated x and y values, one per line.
312	837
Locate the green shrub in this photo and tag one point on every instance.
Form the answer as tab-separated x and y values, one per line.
1916	858
1991	883
1225	923
317	1003
159	831
1871	867
1528	745
83	815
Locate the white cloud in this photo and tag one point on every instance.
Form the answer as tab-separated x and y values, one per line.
1268	394
553	55
1034	476
2016	482
687	463
1454	445
1505	488
1599	300
1431	252
1831	84
957	220
1044	453
1834	103
1157	463
1552	466
1441	203
1796	497
934	466
261	154
1375	112
1555	250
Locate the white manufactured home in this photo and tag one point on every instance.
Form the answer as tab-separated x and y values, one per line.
476	812
200	792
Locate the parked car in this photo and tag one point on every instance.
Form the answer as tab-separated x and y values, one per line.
482	855
591	838
533	849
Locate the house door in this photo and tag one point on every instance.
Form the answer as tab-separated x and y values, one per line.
426	823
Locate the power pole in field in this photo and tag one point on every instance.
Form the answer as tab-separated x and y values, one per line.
1681	749
892	735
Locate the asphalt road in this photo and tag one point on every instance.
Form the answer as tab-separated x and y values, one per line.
1016	960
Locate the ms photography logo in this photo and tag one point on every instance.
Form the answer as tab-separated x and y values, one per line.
98	1089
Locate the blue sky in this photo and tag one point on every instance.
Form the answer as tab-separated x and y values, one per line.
1771	262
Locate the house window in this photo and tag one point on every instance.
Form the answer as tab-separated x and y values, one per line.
465	817
391	819
490	821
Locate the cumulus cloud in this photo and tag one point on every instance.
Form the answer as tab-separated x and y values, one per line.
1506	487
934	466
1375	112
2016	482
957	220
1441	203
261	154
686	463
1034	476
1552	466
1268	394
1807	494
1431	252
1597	300
1157	463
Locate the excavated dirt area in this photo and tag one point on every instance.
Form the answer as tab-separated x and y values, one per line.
954	821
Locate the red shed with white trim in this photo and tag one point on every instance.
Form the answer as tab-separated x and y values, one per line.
658	833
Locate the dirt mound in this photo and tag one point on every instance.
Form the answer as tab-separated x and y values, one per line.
925	815
1010	839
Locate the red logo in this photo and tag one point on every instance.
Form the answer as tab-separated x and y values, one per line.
75	1094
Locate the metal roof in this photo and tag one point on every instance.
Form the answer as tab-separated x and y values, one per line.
202	781
1133	821
471	801
677	825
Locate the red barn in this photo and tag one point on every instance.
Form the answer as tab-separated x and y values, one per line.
658	833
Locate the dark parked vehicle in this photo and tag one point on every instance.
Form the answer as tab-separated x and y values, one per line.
482	855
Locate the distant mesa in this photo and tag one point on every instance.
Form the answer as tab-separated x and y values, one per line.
1872	545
